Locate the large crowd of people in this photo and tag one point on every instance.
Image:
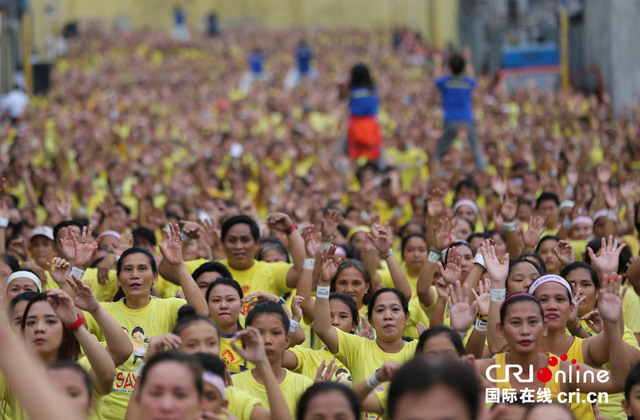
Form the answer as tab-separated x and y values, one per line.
278	224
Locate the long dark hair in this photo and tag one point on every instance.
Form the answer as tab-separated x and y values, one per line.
69	348
360	77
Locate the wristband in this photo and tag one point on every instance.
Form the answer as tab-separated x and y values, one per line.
611	214
462	334
509	226
481	325
387	254
326	239
281	301
323	292
498	295
76	325
309	263
434	256
373	382
479	259
291	228
576	331
482	316
4	222
78	273
293	326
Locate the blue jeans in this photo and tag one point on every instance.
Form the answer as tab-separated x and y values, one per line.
450	132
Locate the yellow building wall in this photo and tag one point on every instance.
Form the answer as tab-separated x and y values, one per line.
436	20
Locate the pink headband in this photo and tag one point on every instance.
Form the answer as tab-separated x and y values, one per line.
516	295
582	219
340	251
215	381
547	278
599	214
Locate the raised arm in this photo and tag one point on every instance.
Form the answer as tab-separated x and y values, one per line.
498	273
254	352
119	345
322	319
508	211
282	222
171	249
103	369
379	238
28	379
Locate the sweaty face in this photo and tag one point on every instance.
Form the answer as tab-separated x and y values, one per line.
239	246
170	392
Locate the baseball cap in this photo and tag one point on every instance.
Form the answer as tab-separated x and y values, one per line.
45	231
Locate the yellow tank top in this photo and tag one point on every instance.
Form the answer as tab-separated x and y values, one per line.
552	385
581	410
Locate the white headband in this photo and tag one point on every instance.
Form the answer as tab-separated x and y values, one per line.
215	381
567	203
112	233
465	202
547	278
24	274
600	213
582	219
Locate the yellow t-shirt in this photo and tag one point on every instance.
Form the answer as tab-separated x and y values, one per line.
292	387
631	310
235	363
262	276
580	410
158	317
241	404
501	361
309	361
613	408
353	348
86	365
103	292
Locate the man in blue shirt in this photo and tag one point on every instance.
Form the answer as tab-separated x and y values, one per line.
456	90
303	68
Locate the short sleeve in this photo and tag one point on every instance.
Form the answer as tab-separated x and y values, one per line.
350	347
241	404
278	277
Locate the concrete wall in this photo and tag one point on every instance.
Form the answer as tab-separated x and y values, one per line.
611	40
435	19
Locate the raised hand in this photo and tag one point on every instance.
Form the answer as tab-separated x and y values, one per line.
258	297
483	296
594	321
610	298
498	271
158	343
85	299
564	252
62	305
60	270
421	328
365	330
192	229
311	241
328	269
606	261
576	300
379	238
332	219
462	313
326	374
453	272
171	246
296	309
66	244
435	203
279	221
509	208
85	247
531	237
443	233
499	185
387	370
253	350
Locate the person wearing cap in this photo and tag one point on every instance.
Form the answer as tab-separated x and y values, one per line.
21	281
42	246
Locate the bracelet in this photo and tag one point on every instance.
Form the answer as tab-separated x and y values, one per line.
77	273
498	295
322	292
293	326
481	325
373	382
509	226
291	228
326	239
434	255
77	324
281	300
309	263
4	222
387	254
576	331
479	259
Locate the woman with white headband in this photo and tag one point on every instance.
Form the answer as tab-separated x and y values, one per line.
21	281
